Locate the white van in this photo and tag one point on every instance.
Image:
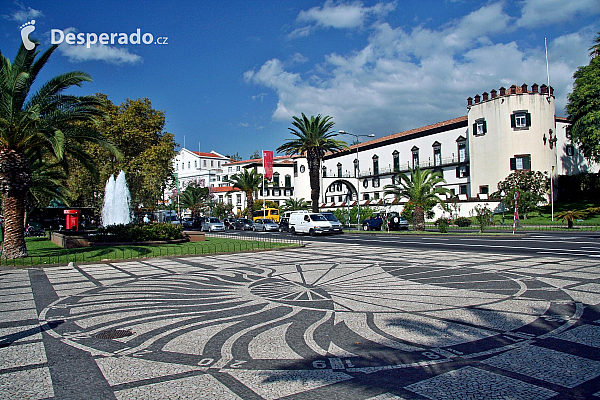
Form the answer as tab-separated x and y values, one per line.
307	222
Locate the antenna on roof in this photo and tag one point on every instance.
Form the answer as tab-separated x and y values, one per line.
198	146
547	69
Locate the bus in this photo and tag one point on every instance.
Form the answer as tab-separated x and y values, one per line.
269	213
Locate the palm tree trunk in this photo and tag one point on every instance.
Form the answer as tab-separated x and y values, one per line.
14	232
419	219
250	199
315	188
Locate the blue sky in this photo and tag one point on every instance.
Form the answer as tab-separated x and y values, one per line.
233	73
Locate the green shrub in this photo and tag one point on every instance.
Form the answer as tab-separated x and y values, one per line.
443	224
462	222
138	233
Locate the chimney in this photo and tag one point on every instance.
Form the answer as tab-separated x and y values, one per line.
469	101
513	89
502	91
524	88
534	88
485	96
551	90
544	89
477	98
494	93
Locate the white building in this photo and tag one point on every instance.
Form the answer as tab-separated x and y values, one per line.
205	169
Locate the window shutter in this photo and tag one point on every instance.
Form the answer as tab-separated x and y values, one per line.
526	163
475	129
458	172
513	123
484	127
528	119
513	164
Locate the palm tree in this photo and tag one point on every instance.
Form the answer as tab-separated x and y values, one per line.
420	189
313	139
45	125
194	197
292	204
248	181
570	216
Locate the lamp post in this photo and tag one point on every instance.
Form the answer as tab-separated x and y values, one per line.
357	172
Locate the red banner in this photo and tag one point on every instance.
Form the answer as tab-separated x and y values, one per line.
268	164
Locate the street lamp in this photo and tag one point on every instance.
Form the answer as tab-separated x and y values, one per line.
357	171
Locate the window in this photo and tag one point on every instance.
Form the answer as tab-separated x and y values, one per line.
520	120
238	199
375	165
324	169
437	154
219	164
462	151
176	167
462	171
520	163
220	198
204	163
339	187
302	169
182	166
339	170
396	156
295	168
366	196
236	168
479	127
365	183
229	200
276	178
462	189
484	189
375	182
229	169
570	150
288	181
195	163
376	195
355	167
340	198
415	157
212	163
189	165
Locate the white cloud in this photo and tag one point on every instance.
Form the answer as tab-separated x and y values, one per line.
339	15
24	13
98	52
402	79
244	124
535	13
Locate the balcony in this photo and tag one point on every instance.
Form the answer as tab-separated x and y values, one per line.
445	162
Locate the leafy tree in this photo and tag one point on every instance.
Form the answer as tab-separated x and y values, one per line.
47	126
221	210
258	204
292	204
137	129
235	157
248	181
342	214
532	186
583	107
313	139
422	191
194	197
483	216
256	155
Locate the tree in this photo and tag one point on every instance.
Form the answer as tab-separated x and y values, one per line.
255	155
222	210
235	157
138	130
583	107
248	181
532	186
258	204
47	125
421	189
313	139
292	204
194	197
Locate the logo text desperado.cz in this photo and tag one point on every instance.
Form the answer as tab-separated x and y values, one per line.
57	36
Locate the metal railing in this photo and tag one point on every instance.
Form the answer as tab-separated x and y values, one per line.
237	243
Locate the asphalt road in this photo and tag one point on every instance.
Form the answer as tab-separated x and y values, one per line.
575	244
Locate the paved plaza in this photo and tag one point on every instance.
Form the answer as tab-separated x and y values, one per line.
321	322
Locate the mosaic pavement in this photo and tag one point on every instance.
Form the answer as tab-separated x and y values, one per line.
319	322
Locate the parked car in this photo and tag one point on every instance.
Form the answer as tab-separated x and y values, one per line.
243	224
197	223
213	224
228	222
311	223
284	224
264	225
335	223
372	223
187	222
396	222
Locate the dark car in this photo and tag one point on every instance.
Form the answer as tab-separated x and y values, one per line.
197	223
397	222
372	223
243	224
284	224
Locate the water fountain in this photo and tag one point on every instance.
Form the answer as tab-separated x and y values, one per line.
117	199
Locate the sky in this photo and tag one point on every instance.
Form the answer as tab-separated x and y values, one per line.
232	74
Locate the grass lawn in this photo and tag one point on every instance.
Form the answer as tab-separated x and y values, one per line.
43	252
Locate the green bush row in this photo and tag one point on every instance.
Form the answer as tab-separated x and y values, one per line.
138	232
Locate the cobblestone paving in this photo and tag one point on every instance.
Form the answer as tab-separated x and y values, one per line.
325	321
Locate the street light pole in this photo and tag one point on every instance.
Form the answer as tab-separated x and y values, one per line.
357	172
